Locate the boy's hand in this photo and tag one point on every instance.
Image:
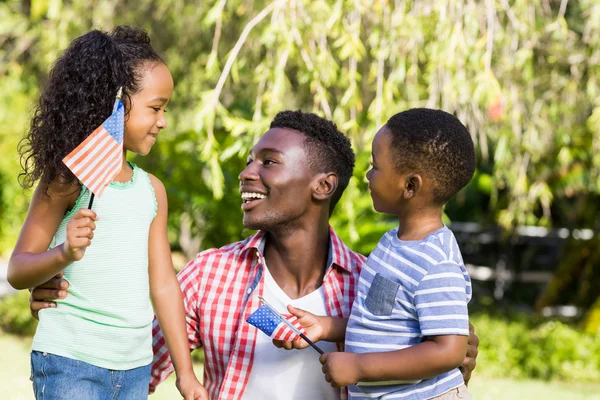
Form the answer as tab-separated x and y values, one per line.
191	389
80	232
470	361
341	369
310	323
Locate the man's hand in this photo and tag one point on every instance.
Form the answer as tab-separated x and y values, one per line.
341	369
311	324
470	361
41	296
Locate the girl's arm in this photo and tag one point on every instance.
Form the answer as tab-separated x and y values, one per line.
31	263
167	298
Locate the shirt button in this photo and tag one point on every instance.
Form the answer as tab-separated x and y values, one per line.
249	290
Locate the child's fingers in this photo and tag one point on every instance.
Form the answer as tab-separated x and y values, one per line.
323	360
84	232
85	222
83	213
79	242
297	312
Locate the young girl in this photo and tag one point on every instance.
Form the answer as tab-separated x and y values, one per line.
97	344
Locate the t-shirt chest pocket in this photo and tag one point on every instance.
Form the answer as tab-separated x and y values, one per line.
382	296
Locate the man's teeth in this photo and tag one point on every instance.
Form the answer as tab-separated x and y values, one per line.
252	196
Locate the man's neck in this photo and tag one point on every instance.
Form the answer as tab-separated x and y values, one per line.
297	258
417	224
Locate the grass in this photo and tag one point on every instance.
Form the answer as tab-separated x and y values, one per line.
15	384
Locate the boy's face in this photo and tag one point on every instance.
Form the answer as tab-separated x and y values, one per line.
384	182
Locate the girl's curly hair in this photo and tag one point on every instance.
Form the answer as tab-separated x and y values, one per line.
79	95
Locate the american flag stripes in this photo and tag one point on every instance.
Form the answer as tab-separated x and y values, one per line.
277	326
99	158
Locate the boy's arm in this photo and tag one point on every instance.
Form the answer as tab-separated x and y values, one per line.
433	357
166	294
317	327
440	301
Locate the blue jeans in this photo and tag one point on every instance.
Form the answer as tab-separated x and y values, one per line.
61	378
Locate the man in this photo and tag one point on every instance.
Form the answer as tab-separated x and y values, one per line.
295	175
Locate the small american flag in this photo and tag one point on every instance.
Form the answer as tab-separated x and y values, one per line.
99	158
277	326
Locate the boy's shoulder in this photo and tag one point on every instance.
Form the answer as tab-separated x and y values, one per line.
437	248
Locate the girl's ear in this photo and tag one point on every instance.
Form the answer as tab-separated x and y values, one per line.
413	184
325	185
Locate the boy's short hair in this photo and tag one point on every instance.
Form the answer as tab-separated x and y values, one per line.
436	144
327	149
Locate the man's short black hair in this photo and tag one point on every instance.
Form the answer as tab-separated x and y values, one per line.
434	143
327	149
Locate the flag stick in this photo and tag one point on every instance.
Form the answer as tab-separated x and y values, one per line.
91	201
290	325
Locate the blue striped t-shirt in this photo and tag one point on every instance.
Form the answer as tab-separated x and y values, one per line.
409	290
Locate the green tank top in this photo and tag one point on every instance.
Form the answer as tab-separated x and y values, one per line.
106	318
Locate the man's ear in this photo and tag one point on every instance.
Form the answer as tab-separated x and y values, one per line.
325	185
413	183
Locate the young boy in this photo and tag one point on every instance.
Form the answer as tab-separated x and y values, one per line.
407	333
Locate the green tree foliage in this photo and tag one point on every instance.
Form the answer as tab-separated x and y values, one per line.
523	76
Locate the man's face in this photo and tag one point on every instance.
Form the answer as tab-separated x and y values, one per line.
276	184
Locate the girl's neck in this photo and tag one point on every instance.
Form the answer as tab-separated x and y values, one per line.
126	173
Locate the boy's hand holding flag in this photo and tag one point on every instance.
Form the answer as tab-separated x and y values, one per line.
277	326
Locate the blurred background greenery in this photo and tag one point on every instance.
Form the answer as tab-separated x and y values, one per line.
523	75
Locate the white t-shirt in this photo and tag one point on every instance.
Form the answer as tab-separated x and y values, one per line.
279	374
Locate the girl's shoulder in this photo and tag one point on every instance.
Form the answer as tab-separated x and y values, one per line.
58	193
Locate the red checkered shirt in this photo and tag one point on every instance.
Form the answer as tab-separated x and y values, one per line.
220	289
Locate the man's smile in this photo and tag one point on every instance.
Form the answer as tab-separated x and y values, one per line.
250	199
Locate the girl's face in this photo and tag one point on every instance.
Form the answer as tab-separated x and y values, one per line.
147	112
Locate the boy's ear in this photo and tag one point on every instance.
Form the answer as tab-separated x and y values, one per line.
413	183
325	185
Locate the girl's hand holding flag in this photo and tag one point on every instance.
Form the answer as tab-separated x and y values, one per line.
80	232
